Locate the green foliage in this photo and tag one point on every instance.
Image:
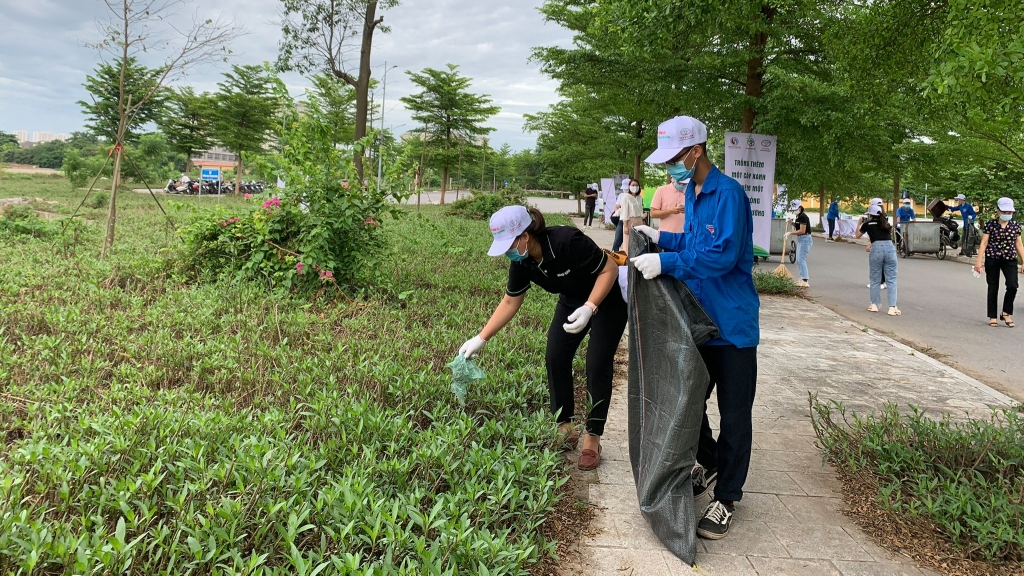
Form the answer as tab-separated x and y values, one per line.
160	426
105	108
21	219
963	476
98	200
74	169
187	122
768	283
482	205
45	155
248	107
6	138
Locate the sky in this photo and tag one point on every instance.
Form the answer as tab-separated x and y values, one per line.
44	56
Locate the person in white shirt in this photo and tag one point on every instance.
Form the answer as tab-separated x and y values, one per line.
632	212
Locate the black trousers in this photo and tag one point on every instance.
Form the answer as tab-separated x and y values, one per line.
993	266
734	374
588	212
831	227
605	329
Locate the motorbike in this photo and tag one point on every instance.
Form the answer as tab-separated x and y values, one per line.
949	235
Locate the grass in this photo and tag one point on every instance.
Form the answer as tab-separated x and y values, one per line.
770	284
152	425
953	489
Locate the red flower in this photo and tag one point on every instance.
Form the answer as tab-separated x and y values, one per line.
300	267
326	275
370	222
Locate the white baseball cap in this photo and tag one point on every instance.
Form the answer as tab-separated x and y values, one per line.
506	225
625	184
1005	205
795	204
676	135
876	201
874	210
906	200
960	197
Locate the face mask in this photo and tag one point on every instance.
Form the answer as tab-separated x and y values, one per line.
1006	217
679	171
634	189
514	255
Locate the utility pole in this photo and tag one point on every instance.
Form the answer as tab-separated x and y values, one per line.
423	149
380	141
483	166
460	171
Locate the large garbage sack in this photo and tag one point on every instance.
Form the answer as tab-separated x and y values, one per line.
667	385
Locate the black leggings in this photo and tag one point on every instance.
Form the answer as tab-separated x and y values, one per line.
605	328
993	266
588	214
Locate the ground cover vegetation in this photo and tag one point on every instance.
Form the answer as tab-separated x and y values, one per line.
953	484
153	423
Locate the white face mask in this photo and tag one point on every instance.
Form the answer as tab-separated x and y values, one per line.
634	189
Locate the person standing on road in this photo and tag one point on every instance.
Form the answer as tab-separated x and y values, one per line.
590	203
906	213
715	258
969	216
1000	247
804	242
882	257
617	215
831	217
632	212
562	260
669	206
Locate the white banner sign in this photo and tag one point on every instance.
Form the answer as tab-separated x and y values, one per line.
750	159
610	195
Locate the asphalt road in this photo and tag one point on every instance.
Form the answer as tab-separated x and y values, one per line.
943	305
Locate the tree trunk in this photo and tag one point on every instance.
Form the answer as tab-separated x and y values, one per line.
755	71
821	205
444	183
895	196
108	240
483	166
363	84
238	174
460	173
637	160
188	163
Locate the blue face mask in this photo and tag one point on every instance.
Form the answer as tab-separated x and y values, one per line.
679	171
514	255
1006	217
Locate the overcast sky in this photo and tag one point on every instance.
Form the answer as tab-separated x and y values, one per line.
44	60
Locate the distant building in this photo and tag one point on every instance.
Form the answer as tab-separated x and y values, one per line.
21	135
215	157
40	137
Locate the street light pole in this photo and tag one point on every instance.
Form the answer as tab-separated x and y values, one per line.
380	143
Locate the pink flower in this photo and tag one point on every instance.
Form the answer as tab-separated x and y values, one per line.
247	196
370	222
326	275
223	224
300	267
272	202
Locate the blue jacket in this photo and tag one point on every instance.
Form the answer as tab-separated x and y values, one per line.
905	214
965	210
833	211
715	258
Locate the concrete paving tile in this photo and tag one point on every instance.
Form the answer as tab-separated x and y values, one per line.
819	542
601	533
875	569
793	567
612	561
615	472
798	426
711	565
813	510
635	531
614	498
869	545
770	482
763	507
788	442
752	538
787	461
818	483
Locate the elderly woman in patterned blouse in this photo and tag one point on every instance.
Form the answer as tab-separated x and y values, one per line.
1000	247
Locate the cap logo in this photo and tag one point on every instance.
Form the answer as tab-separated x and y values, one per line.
686	132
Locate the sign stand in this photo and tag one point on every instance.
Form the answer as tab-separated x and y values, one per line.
209	175
750	160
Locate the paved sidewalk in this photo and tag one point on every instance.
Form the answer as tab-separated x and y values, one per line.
789	521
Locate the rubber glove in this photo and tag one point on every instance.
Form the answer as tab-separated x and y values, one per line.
649	265
472	347
649	232
578	320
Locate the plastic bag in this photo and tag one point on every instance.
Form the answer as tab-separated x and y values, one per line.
464	372
667	385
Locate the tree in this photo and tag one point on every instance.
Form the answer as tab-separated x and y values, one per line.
131	31
337	102
453	117
247	109
320	36
141	86
6	138
188	123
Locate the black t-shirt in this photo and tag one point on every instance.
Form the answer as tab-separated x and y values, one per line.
802	219
572	263
590	196
873	228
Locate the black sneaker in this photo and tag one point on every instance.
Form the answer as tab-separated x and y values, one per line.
714	523
703	479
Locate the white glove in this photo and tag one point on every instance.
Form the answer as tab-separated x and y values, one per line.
649	232
472	347
578	320
649	265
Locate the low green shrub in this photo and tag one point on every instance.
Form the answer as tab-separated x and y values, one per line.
768	283
964	477
97	200
481	205
21	219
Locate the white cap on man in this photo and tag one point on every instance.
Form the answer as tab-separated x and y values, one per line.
676	135
1005	205
795	205
960	197
506	225
906	201
876	202
874	210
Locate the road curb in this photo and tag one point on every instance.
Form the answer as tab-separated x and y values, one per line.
994	395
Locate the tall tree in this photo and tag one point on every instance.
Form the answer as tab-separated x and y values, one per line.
337	103
247	110
322	35
452	115
188	122
113	81
134	28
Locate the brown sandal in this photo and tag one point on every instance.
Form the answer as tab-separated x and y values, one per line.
1009	323
993	322
589	459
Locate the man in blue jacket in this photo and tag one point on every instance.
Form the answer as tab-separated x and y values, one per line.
715	258
969	216
832	216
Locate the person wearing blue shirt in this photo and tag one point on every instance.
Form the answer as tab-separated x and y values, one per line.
715	258
969	216
905	212
831	217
